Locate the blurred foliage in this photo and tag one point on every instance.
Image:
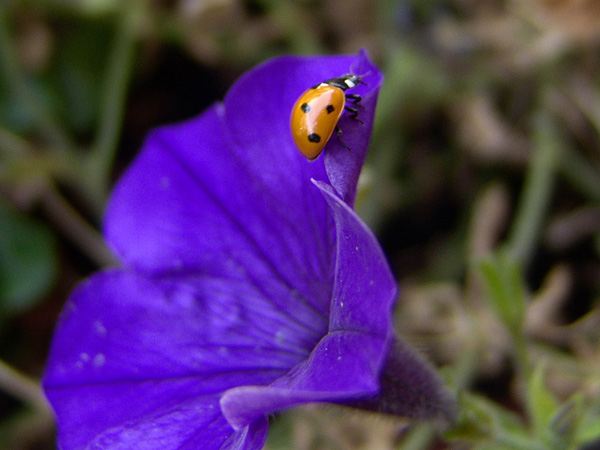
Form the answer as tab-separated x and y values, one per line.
483	184
27	261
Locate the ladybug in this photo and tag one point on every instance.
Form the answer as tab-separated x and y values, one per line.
317	111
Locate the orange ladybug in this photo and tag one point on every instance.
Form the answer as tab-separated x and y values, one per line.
317	111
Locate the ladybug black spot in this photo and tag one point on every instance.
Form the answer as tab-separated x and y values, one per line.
314	137
330	109
305	107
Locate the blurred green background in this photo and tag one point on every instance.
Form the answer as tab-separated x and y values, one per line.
482	183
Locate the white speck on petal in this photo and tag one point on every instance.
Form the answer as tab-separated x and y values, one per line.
280	337
99	360
99	328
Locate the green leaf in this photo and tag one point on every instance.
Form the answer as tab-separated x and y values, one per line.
72	82
482	419
588	429
13	113
567	421
27	260
489	426
541	404
492	446
505	288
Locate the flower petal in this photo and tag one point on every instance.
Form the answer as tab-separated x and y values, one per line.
343	166
190	204
231	279
347	362
363	297
339	368
128	359
258	111
364	290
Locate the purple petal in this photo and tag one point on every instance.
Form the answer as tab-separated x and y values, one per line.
258	111
347	362
251	437
190	204
245	289
343	166
364	289
179	207
129	360
341	367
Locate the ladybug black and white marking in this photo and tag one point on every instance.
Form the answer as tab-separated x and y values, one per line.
316	113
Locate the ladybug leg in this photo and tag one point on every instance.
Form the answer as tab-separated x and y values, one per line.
339	136
353	113
355	100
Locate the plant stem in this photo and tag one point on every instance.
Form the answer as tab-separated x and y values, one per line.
21	387
517	443
118	74
537	190
418	438
581	174
16	80
521	354
12	145
82	234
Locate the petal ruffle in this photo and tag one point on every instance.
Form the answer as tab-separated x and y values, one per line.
364	289
346	364
339	368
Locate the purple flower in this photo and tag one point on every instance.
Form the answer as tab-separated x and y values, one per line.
248	284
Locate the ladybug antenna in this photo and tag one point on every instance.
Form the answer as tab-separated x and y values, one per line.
360	77
352	72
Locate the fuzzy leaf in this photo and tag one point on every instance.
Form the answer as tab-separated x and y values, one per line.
506	292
